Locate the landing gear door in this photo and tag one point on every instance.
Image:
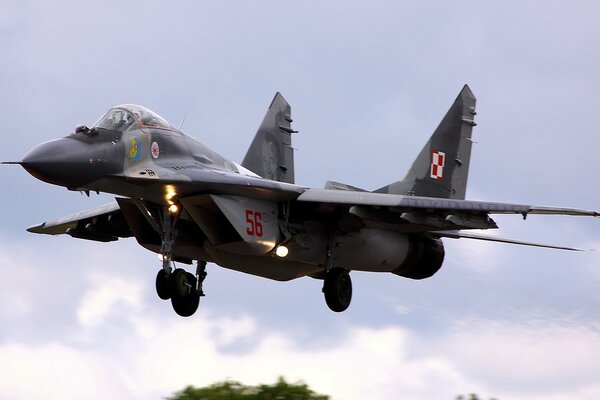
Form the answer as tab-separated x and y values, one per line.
256	221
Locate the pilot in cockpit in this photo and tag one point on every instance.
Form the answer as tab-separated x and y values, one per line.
116	120
130	117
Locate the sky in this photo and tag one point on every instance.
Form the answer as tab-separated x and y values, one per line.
368	83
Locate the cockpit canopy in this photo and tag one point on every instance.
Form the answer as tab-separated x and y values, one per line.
128	117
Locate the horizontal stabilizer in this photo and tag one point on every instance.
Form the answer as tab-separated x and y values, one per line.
489	238
342	186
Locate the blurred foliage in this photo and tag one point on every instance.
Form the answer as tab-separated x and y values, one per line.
281	390
231	390
471	396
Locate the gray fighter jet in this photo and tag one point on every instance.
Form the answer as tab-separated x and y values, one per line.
187	203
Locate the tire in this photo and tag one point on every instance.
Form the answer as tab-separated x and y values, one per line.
184	299
338	289
185	307
163	285
182	283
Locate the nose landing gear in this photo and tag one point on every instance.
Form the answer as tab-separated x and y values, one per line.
183	288
184	298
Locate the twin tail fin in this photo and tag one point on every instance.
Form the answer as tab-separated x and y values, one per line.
442	167
271	154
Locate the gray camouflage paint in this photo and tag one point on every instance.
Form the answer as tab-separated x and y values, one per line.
312	222
453	138
271	154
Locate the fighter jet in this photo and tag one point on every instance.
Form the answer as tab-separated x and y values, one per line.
186	203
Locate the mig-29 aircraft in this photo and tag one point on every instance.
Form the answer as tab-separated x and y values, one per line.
187	203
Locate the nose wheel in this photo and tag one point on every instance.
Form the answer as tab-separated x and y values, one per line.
163	284
182	288
184	298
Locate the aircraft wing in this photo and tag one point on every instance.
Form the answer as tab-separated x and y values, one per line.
401	203
103	224
196	179
441	217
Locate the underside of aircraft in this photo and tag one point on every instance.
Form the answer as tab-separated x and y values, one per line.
188	204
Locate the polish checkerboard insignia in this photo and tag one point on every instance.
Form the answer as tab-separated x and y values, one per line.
438	159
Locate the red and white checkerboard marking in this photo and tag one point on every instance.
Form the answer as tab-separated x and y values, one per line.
438	159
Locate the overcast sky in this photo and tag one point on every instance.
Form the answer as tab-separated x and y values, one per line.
368	82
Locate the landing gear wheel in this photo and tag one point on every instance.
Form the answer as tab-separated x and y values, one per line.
163	285
183	293
338	289
185	307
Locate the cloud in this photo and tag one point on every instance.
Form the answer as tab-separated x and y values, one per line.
120	344
150	356
107	293
156	358
529	360
367	83
55	371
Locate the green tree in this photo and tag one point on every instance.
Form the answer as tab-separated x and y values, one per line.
231	390
471	396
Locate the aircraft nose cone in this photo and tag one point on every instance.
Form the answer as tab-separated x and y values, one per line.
59	162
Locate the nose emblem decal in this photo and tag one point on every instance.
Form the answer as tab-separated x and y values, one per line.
135	152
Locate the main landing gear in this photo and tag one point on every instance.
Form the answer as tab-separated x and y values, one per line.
337	288
337	285
183	288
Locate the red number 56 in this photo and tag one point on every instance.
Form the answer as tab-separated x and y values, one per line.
254	221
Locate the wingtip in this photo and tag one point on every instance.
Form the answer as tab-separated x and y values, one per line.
36	228
279	99
466	91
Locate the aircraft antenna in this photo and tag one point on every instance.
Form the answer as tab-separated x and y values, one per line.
182	121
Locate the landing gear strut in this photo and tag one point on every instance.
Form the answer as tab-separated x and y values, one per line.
337	285
168	239
200	277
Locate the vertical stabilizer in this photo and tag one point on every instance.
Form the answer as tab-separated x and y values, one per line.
271	154
442	167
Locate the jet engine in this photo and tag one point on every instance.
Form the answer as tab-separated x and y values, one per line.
424	259
378	250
